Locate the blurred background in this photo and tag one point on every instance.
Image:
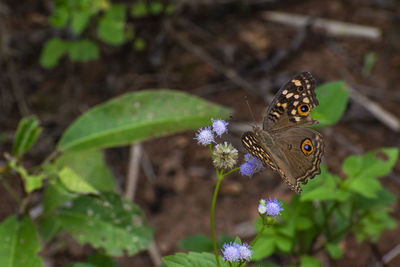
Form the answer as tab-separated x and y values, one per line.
59	58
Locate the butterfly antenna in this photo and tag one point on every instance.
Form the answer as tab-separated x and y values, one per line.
251	112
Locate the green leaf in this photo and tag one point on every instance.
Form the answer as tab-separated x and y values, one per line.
60	17
376	163
74	182
197	243
365	186
111	25
138	116
33	182
139	9
52	51
264	247
284	243
307	261
156	7
89	165
19	243
27	133
193	259
332	97
49	227
139	44
83	50
108	222
369	62
79	21
56	194
334	250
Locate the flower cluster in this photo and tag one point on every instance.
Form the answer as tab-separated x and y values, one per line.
251	165
205	136
270	207
234	252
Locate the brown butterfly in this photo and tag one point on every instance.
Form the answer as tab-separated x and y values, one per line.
283	144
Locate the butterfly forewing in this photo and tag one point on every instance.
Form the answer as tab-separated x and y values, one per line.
292	104
252	143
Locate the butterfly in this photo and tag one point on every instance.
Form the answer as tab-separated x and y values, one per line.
283	143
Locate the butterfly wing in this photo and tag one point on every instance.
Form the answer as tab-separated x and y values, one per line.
302	151
254	145
292	104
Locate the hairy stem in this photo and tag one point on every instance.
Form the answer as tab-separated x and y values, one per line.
214	200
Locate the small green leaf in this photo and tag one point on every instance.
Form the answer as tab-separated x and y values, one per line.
83	50
322	187
139	9
334	251
111	25
52	51
139	44
332	97
369	62
196	243
19	243
307	261
193	259
366	186
107	222
79	21
60	17
138	116
33	182
27	133
75	183
89	165
56	194
156	7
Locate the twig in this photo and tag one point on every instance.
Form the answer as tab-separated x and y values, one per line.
133	171
154	254
376	110
394	252
147	167
331	27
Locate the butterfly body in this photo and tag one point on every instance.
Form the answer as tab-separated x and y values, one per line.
283	144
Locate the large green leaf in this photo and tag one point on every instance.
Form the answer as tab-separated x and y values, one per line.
197	243
332	98
193	259
136	117
19	243
107	222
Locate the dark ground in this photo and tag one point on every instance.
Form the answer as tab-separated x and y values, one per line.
235	37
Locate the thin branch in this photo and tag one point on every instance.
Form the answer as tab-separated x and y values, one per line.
133	171
331	27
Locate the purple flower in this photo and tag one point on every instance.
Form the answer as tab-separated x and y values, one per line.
231	252
204	136
245	252
235	252
251	166
219	126
273	207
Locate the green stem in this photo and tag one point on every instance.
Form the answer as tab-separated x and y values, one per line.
258	236
233	170
214	240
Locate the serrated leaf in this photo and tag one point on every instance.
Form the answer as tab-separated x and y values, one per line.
52	51
193	259
196	243
138	116
75	183
334	251
89	165
307	261
19	243
108	222
83	50
111	25
27	133
332	98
